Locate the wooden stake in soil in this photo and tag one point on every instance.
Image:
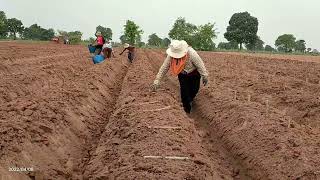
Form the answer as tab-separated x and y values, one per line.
235	95
152	157
164	127
267	108
176	158
146	103
160	109
167	157
249	98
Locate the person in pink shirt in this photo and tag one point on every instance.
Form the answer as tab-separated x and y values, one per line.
99	42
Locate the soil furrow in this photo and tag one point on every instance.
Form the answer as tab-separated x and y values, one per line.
53	110
149	136
213	144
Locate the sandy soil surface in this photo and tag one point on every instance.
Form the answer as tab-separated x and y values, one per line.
66	118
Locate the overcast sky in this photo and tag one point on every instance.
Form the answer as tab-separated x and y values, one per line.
276	17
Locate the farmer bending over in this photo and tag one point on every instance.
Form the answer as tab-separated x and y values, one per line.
99	42
131	52
107	50
184	62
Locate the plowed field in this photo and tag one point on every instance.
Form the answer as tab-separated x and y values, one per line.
62	117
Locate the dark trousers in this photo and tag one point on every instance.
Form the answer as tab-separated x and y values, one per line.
98	49
189	87
107	52
130	56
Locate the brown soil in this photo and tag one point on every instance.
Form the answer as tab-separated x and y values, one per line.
69	119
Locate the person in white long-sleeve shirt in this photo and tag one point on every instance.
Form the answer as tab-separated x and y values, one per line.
184	62
107	50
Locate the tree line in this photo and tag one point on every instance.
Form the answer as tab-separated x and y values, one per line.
241	32
12	27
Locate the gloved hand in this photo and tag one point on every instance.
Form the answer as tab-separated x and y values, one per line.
205	80
155	86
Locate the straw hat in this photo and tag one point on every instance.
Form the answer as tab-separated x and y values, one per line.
126	45
98	33
177	49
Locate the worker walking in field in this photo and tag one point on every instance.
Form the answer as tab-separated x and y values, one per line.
131	52
99	42
107	50
184	62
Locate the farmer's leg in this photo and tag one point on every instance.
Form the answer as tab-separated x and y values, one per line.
98	49
194	85
185	92
130	57
109	52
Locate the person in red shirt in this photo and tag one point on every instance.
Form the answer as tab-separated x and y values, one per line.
99	42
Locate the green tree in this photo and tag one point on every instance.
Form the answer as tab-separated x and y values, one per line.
91	40
75	37
286	42
106	32
32	32
228	45
255	45
3	25
300	45
203	38
123	39
141	44
47	34
165	42
269	48
183	30
132	32
15	26
35	32
242	28
154	40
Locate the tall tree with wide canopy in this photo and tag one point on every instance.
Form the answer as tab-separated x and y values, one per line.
3	25
203	38
182	30
300	45
132	32
15	26
286	42
242	28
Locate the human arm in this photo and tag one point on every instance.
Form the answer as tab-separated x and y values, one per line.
123	51
198	63
162	71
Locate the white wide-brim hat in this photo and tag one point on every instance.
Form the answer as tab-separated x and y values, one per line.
177	49
126	45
